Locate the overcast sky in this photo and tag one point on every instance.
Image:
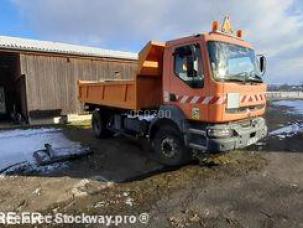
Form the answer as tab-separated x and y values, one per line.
275	27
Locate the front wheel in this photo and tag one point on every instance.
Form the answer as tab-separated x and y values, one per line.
169	147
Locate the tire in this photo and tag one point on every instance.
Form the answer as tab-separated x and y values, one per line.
169	147
99	122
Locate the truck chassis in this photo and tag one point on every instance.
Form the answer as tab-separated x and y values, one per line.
173	137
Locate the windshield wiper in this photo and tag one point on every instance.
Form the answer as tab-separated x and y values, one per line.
240	77
232	79
254	78
244	77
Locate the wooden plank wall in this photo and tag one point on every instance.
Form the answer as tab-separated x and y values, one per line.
52	80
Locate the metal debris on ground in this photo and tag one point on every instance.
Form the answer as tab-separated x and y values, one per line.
49	155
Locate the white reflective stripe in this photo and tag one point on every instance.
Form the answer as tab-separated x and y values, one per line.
207	100
221	100
166	96
184	99
195	99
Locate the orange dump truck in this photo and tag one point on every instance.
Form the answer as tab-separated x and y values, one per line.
199	93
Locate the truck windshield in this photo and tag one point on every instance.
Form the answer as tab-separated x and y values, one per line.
234	63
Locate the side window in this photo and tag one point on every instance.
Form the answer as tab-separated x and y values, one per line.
188	65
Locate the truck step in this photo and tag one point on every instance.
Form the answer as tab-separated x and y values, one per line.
196	131
197	147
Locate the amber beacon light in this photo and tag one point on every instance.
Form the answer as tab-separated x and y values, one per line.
226	28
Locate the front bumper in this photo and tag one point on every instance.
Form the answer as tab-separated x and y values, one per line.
245	135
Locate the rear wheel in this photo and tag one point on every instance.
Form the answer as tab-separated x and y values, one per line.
99	124
169	147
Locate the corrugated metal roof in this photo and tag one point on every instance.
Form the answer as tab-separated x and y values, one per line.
21	44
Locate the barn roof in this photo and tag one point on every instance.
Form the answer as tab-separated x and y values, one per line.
21	44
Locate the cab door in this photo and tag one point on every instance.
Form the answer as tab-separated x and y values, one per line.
184	80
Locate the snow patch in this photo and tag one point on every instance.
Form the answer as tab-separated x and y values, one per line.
31	168
288	131
295	105
18	146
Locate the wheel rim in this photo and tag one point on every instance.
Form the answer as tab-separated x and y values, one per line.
168	147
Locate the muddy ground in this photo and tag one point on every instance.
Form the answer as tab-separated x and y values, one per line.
261	186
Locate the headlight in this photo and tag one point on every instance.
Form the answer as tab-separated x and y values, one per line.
219	133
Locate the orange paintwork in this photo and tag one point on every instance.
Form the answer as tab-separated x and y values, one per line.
145	91
156	76
212	113
119	94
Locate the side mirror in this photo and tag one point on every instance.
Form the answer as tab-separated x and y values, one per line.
262	61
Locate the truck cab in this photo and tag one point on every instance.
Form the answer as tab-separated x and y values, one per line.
216	78
199	93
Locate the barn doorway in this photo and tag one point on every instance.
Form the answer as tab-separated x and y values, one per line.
13	107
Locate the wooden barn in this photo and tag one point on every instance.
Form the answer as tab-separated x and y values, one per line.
38	79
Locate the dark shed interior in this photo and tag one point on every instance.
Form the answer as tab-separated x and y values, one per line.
12	88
